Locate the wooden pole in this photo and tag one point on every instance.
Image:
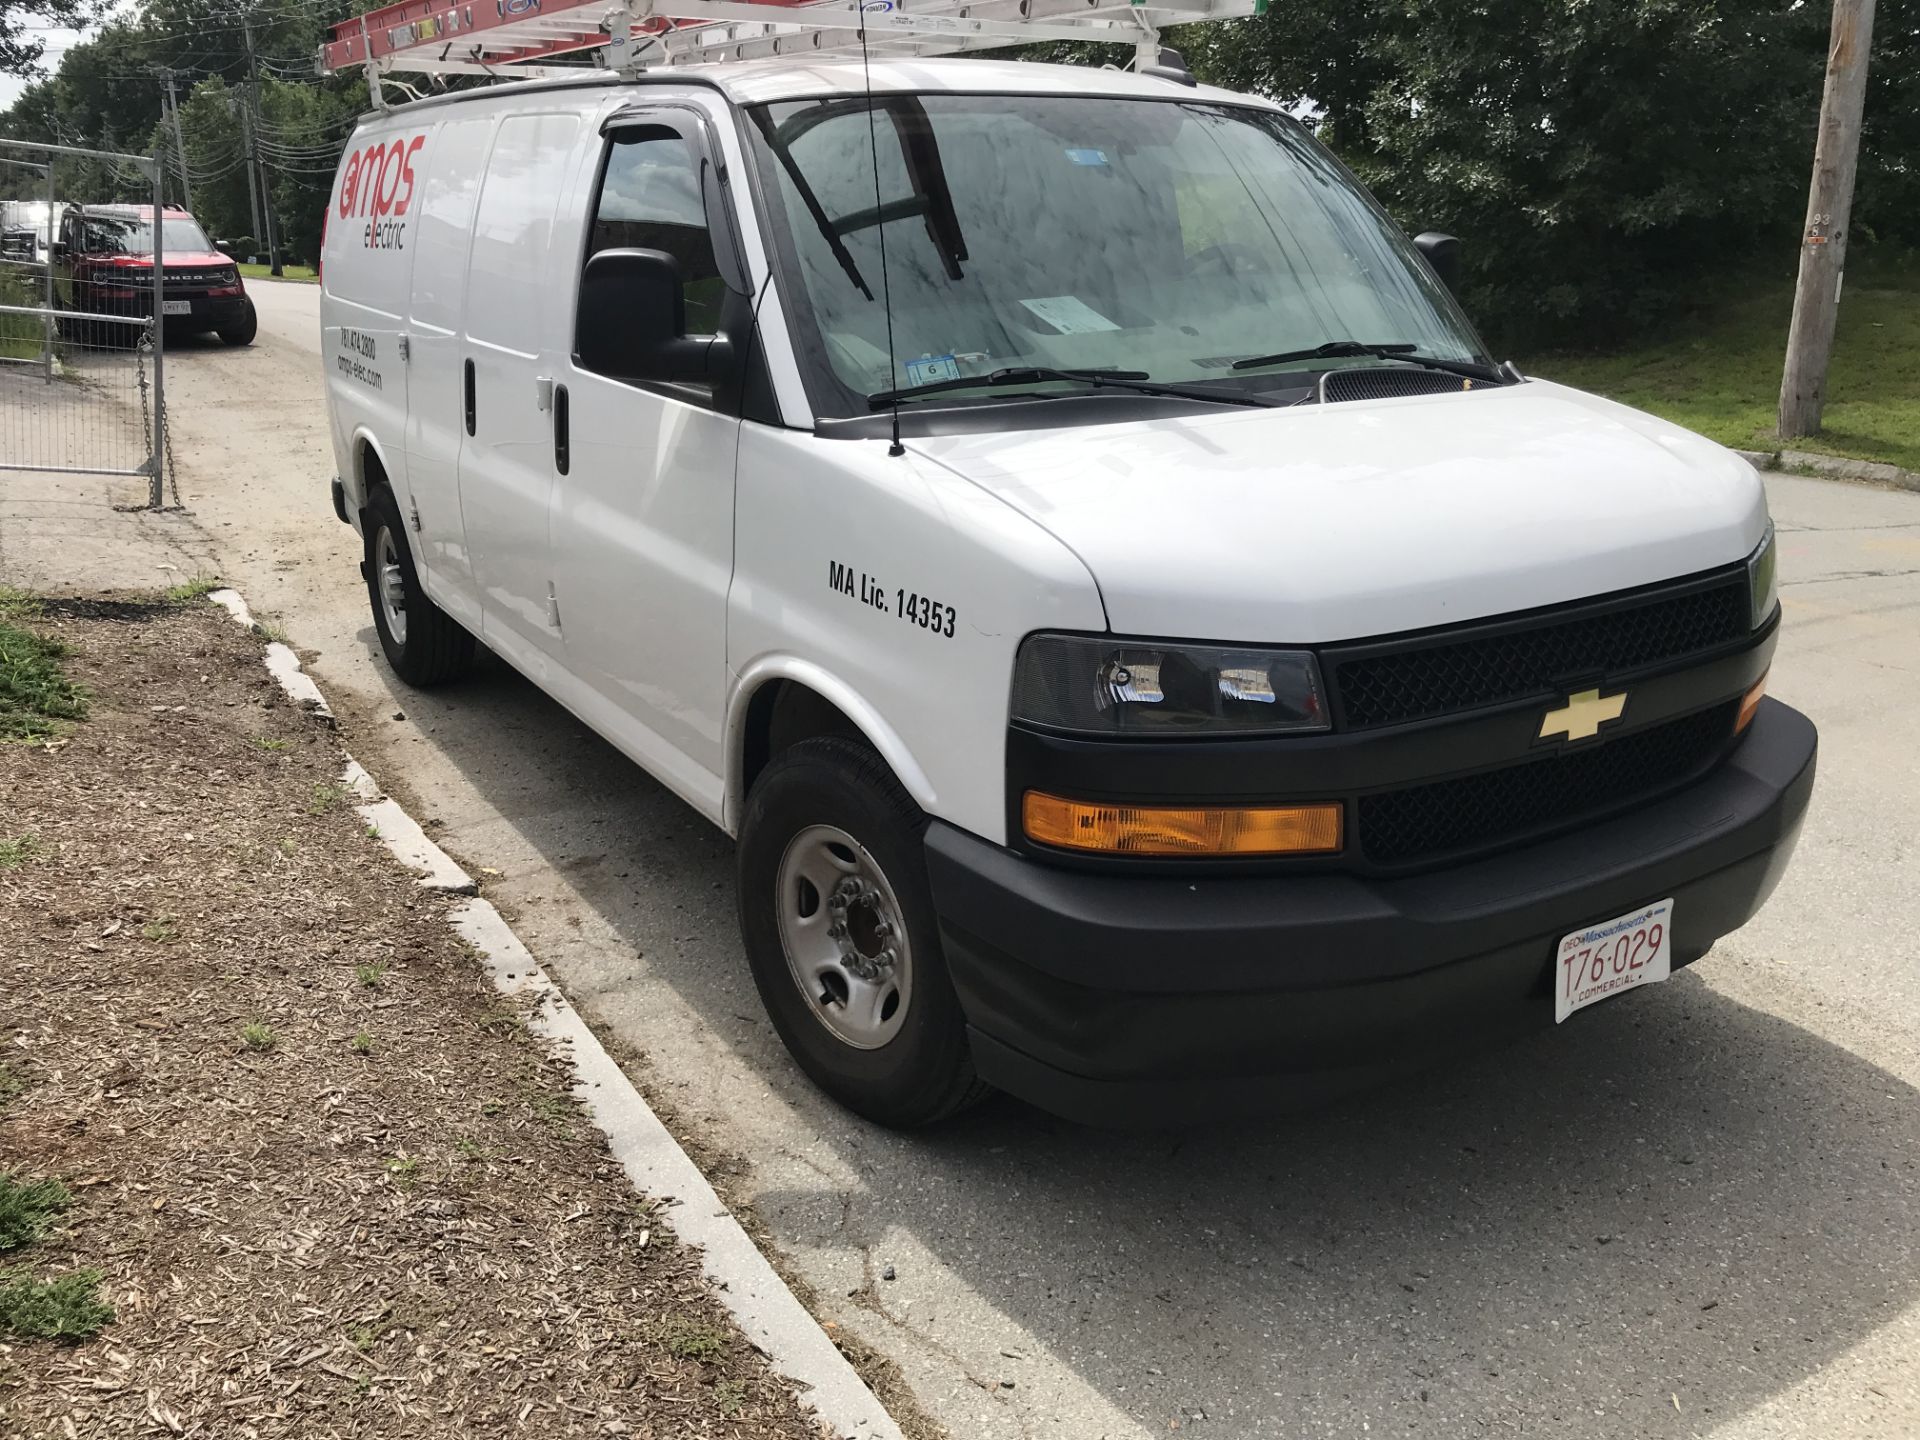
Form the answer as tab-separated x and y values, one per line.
1823	249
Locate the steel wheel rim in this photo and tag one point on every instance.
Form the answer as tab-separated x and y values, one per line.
844	937
391	583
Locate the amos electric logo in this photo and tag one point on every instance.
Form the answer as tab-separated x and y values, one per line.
376	185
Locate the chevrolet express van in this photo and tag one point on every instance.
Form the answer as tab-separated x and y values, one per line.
1152	659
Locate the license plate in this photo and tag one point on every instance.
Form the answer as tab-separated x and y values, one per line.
176	307
1624	953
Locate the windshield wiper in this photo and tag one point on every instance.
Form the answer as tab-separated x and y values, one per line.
1386	350
1135	380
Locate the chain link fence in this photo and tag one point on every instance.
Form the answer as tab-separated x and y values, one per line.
83	283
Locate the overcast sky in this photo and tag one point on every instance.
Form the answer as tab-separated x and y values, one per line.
57	43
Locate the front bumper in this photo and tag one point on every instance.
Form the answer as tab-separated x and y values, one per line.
204	312
1148	999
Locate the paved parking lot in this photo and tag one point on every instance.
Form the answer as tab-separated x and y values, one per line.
1690	1214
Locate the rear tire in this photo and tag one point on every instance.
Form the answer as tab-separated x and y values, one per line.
242	331
848	962
423	643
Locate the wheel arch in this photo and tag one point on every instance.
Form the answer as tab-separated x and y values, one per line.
370	467
781	699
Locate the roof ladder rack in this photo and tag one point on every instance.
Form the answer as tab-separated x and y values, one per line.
520	39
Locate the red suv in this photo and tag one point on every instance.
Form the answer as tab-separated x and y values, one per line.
103	265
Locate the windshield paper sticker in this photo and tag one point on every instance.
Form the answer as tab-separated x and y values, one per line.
931	368
1087	157
1069	315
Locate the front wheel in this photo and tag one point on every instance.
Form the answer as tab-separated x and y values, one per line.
241	331
423	643
839	929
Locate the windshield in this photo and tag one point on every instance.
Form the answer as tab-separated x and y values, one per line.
132	235
1080	233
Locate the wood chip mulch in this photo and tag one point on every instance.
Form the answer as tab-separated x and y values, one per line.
393	1221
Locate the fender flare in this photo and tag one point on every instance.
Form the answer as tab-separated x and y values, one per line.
359	444
837	692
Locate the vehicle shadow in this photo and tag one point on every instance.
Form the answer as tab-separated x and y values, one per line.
1645	1222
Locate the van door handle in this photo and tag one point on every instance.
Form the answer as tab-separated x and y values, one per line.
562	450
469	389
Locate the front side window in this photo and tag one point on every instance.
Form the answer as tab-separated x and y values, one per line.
1079	233
650	200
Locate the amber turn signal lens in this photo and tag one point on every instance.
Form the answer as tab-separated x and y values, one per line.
1749	703
1182	829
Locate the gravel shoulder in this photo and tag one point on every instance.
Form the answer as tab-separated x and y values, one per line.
330	1183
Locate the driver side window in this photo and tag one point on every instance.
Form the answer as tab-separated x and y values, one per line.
650	199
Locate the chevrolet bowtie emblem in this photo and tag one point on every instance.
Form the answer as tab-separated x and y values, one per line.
1583	715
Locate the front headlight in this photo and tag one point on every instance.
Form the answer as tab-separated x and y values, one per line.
1096	685
1763	579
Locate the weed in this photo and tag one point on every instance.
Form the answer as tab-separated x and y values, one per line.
492	1107
193	588
67	1307
36	698
691	1340
325	797
556	1110
12	1085
405	1171
257	1036
373	831
370	976
27	1209
264	743
18	850
731	1397
501	1020
162	928
270	632
17	604
288	845
362	1043
470	1149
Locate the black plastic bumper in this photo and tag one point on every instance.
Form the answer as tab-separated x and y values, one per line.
1150	999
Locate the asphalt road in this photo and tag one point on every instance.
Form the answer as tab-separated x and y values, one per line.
1693	1213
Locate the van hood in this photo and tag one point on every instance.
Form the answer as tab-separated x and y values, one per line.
1314	524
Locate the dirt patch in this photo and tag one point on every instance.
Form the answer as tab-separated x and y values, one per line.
331	1185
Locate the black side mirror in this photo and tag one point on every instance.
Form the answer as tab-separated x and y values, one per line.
632	321
1443	254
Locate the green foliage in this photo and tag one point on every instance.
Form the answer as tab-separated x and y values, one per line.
18	849
27	1209
22	27
67	1307
1720	374
35	695
193	588
258	1037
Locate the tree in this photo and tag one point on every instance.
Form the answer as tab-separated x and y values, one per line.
20	23
1598	157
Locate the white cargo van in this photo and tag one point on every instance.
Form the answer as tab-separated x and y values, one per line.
1152	659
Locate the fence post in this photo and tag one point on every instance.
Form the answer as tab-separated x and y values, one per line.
48	325
156	489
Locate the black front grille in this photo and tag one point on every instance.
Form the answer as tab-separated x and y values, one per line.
1477	811
1437	676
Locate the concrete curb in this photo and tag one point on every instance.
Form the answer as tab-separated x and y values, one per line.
767	1311
1806	462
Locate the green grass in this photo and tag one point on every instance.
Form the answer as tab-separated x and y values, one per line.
36	698
67	1307
289	272
27	1209
18	850
1719	373
193	589
258	1037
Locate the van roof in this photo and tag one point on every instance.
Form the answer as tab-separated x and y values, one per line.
755	82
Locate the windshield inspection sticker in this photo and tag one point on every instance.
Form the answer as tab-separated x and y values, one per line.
1069	315
1087	157
930	368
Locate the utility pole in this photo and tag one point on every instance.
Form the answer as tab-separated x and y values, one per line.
1823	248
253	150
179	140
253	194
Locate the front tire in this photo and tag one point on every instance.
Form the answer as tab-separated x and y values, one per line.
423	643
839	928
242	331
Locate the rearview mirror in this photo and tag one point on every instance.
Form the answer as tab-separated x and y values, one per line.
632	321
1443	254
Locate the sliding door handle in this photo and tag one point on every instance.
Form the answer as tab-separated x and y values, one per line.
469	392
562	450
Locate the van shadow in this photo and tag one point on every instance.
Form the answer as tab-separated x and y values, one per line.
1646	1222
